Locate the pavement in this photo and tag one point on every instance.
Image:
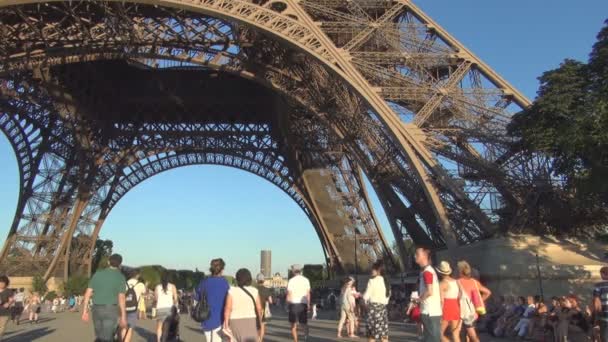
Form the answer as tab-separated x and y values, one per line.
67	326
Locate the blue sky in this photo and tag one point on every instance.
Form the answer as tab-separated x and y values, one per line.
183	218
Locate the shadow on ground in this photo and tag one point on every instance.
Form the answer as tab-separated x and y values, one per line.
29	335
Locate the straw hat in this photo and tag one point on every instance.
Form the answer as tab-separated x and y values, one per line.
444	268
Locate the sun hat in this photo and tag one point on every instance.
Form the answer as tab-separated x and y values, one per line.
444	268
260	277
296	268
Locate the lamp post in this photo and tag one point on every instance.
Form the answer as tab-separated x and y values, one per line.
356	260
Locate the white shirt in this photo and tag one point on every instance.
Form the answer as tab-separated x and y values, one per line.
376	291
138	287
242	305
19	297
164	300
431	305
298	287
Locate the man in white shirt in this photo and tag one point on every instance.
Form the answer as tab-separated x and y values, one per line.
140	291
298	301
430	296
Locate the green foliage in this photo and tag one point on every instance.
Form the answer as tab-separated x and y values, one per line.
39	285
183	279
75	285
569	123
314	273
50	295
151	275
101	254
230	280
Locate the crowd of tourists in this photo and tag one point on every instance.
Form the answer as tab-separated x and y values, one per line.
448	307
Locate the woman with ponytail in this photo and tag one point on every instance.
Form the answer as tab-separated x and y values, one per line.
376	296
166	298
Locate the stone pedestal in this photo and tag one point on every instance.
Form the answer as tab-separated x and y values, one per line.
53	284
508	265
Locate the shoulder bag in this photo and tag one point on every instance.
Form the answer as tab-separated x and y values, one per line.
467	309
201	311
258	322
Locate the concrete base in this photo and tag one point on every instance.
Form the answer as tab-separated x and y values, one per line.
508	266
53	284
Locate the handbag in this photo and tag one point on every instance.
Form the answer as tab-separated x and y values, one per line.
467	309
267	312
201	311
257	315
480	307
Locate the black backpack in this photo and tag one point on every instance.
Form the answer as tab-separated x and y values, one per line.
201	311
131	299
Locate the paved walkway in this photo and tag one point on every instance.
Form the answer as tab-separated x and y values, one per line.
67	326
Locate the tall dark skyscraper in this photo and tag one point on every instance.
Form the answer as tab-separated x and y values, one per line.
266	263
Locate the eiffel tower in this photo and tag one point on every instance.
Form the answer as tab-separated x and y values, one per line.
315	96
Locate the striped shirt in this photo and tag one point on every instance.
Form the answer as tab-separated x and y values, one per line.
601	292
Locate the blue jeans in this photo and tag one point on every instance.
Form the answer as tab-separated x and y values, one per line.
105	321
432	328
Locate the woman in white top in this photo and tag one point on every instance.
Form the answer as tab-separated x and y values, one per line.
347	308
376	296
166	298
243	311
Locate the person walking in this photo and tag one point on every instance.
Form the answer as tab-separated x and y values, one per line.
430	297
141	302
476	292
165	295
107	289
134	294
34	307
298	301
377	295
6	301
18	307
450	292
214	289
347	308
265	301
243	311
600	304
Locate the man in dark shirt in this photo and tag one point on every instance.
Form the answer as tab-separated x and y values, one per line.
6	300
107	288
600	304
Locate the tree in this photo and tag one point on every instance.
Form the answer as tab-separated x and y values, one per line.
39	285
75	285
50	296
101	254
151	275
568	122
314	273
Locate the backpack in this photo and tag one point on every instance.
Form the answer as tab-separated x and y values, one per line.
467	309
131	299
201	311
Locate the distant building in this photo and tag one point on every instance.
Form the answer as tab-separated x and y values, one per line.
266	263
276	282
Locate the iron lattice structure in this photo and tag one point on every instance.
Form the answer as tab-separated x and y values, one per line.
97	96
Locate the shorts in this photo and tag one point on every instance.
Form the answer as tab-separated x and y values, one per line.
298	313
132	319
163	313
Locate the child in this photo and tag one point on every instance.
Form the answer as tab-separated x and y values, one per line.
524	322
413	312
